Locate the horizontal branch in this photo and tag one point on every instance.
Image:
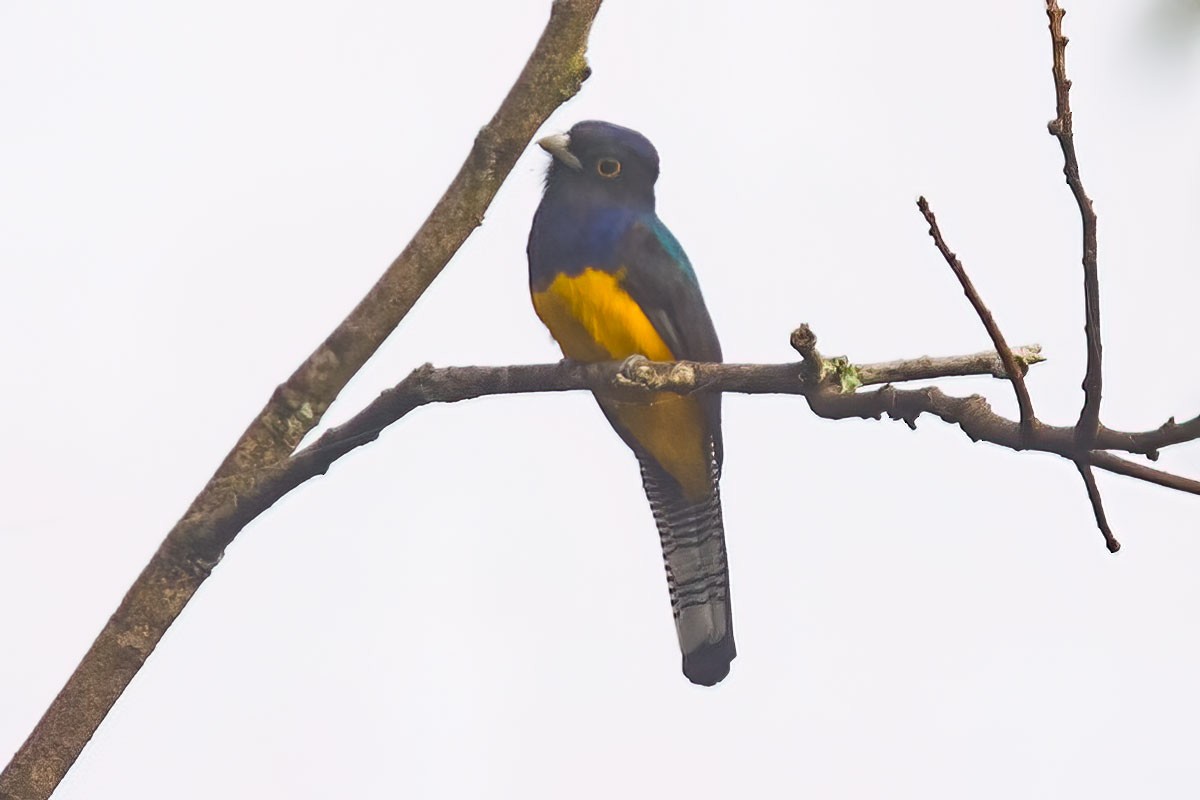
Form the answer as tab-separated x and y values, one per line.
925	368
974	415
828	384
1148	443
428	384
978	421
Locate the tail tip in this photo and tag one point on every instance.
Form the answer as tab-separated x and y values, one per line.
709	664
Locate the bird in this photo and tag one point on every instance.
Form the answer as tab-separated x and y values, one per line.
610	281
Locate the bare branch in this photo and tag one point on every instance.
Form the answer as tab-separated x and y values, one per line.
981	424
425	385
553	73
1148	443
1093	491
1120	466
1028	420
974	415
919	369
428	384
822	381
1061	127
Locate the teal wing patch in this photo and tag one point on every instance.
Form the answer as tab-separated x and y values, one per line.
660	279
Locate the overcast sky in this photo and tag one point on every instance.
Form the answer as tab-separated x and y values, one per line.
191	197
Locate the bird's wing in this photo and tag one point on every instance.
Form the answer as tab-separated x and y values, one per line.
660	279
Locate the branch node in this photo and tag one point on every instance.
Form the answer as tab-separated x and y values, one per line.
804	342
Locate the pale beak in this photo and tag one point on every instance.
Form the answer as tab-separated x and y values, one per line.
558	145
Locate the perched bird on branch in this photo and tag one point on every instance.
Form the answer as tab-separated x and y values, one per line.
610	281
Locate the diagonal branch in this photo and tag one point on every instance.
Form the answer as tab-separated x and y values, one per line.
553	73
1120	466
1093	492
1028	420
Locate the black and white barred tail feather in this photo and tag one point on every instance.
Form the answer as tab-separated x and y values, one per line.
693	544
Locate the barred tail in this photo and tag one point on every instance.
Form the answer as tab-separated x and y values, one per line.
693	544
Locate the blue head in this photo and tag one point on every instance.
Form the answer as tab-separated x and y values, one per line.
601	164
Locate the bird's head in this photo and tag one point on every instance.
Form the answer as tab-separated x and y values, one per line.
602	161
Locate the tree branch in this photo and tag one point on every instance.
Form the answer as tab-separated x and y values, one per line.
553	73
637	376
925	368
1148	443
1062	128
1087	430
1028	420
974	415
823	381
1093	493
828	383
1120	466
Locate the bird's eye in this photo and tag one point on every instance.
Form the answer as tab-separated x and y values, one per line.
608	167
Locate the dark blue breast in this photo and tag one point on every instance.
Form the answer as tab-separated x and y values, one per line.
567	239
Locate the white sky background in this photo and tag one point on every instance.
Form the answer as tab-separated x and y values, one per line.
474	606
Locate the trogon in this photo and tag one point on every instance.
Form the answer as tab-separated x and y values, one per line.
610	281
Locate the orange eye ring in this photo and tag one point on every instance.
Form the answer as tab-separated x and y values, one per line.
608	167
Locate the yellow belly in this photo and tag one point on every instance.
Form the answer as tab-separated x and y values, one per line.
594	319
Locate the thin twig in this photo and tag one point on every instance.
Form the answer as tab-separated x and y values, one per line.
1093	492
987	362
1016	376
1061	127
1132	469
